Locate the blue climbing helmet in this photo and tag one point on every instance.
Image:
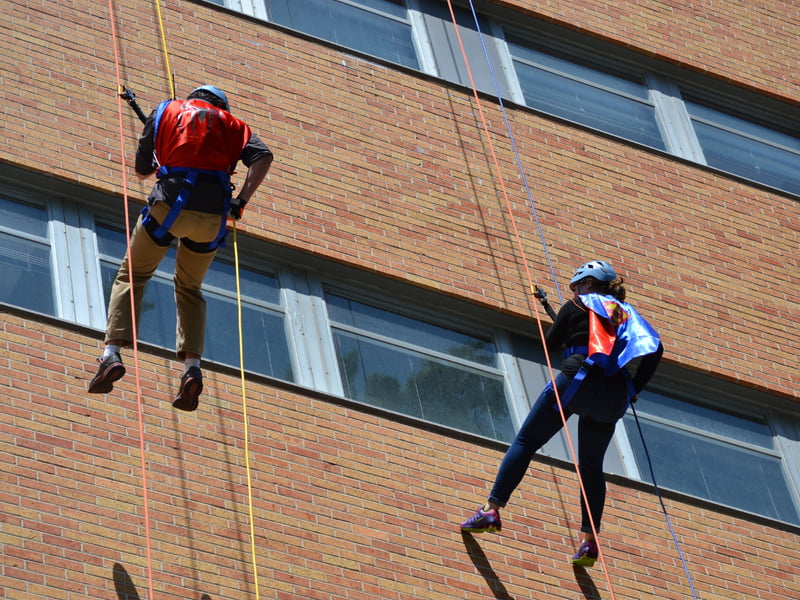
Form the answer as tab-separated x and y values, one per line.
599	269
215	91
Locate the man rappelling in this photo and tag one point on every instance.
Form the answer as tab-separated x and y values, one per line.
192	146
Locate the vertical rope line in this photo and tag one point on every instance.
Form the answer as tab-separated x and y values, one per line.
533	206
164	47
530	281
517	156
492	151
663	507
139	402
245	418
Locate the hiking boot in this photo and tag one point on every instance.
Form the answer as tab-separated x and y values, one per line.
483	521
110	370
189	393
586	554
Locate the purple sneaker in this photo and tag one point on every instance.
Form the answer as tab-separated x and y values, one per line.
586	554
483	521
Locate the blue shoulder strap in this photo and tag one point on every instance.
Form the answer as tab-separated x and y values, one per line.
186	189
157	121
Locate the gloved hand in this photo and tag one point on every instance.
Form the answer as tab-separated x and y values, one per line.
237	206
540	294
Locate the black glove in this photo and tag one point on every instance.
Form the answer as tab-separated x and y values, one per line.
237	206
540	295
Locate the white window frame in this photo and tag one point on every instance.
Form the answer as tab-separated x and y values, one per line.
673	118
785	427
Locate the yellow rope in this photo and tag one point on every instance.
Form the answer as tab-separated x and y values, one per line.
244	414
241	345
164	46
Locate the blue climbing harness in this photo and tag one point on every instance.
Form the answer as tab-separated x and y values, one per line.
190	179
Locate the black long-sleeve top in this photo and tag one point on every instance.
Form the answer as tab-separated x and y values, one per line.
571	328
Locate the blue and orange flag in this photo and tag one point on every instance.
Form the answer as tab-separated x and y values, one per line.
617	333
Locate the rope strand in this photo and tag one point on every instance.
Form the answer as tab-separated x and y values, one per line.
532	287
663	507
139	401
244	414
164	48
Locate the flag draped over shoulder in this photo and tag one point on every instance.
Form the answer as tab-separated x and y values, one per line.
617	333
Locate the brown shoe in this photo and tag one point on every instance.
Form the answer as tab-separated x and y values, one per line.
191	388
110	370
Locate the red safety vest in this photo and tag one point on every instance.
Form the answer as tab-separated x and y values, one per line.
197	134
194	137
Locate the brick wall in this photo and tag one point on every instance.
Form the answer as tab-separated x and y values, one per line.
386	171
747	43
347	504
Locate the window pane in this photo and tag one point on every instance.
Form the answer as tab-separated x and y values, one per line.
721	470
253	284
25	218
401	364
26	274
25	264
746	149
587	96
744	429
266	349
412	331
157	321
523	53
376	27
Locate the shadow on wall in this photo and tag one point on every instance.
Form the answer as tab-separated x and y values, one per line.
485	568
586	584
584	580
123	584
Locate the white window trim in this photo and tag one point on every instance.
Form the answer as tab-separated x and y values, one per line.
626	455
673	119
308	330
507	63
514	387
421	39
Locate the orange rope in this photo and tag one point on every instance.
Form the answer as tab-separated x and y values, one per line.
531	285
140	404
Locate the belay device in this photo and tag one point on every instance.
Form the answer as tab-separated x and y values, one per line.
130	98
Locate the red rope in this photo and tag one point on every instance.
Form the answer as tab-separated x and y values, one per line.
140	404
530	281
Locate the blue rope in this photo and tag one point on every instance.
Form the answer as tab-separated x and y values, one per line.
555	281
516	154
661	501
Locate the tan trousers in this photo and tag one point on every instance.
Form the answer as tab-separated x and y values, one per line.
190	270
